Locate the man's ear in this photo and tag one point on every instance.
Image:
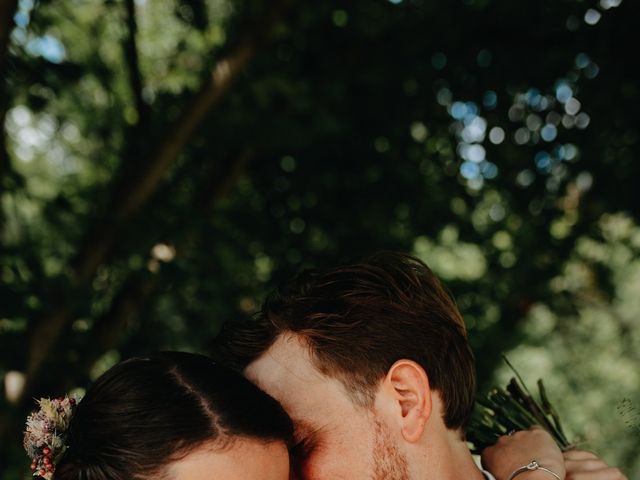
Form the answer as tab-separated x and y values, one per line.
408	386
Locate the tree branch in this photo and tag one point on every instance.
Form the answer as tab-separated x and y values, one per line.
132	192
131	57
139	287
125	307
8	9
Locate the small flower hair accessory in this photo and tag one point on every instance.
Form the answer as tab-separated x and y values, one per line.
45	436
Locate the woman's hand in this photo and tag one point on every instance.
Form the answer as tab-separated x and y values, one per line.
514	451
583	465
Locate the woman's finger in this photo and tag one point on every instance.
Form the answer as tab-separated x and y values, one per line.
608	473
586	465
579	455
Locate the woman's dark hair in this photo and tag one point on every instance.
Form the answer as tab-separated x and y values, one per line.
149	411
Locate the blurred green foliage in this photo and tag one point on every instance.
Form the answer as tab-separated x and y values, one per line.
165	163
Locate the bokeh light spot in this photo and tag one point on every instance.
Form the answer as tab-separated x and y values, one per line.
516	113
47	47
572	107
474	130
522	136
490	99
381	144
584	180
592	16
543	161
288	163
496	135
489	170
438	60
570	152
459	110
484	58
592	70
444	97
583	120
419	132
607	4
533	122
340	18
549	133
501	239
563	92
469	170
573	23
582	60
525	178
297	225
474	153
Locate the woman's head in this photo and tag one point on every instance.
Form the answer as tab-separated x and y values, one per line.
171	415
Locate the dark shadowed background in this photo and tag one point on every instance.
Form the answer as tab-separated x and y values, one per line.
166	163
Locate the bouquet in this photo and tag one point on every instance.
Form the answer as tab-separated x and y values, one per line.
513	408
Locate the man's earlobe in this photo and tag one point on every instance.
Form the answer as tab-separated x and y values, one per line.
410	387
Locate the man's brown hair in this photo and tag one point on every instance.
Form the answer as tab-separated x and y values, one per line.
359	319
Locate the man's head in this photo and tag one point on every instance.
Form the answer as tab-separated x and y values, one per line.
366	358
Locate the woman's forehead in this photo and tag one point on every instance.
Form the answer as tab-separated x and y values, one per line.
243	458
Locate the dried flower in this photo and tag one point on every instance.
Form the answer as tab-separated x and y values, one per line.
45	435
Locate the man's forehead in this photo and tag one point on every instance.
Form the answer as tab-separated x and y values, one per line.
286	372
287	360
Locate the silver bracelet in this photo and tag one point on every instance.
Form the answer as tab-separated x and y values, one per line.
530	467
